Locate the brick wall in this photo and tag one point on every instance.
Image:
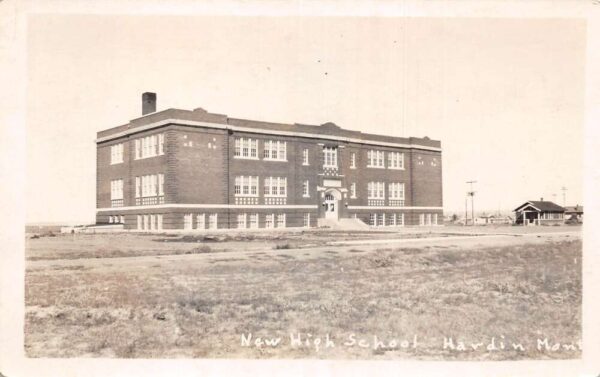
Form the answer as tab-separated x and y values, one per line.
200	168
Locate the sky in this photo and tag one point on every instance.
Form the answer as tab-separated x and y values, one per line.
504	96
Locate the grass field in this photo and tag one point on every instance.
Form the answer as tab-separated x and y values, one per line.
167	303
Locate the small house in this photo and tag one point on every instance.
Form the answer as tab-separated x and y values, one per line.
539	213
574	213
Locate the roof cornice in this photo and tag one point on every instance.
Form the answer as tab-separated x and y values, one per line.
264	131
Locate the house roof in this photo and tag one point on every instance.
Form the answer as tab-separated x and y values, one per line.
200	116
542	206
576	208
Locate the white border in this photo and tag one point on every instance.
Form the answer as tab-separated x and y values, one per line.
14	18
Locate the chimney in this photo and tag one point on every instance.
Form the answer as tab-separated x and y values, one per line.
148	103
541	199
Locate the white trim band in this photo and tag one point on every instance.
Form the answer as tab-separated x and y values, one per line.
390	207
260	131
225	206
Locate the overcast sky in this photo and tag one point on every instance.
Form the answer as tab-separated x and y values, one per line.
504	96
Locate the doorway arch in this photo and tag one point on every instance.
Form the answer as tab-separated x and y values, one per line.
332	199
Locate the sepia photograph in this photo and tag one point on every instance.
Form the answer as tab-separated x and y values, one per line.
304	187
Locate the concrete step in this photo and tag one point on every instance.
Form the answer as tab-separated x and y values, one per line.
343	224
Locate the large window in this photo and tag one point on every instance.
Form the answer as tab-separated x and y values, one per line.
306	220
241	220
275	150
396	191
376	190
305	157
149	146
246	148
281	220
150	222
116	193
352	160
116	154
212	221
201	221
253	220
188	221
330	157
270	221
116	189
375	159
149	189
246	186
395	160
275	187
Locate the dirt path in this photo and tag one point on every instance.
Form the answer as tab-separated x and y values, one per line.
470	241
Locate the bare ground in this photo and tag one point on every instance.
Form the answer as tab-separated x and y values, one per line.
173	304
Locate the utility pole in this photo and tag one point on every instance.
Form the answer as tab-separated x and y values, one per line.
564	189
466	213
472	195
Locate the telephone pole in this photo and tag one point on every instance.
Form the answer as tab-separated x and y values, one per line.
564	189
471	193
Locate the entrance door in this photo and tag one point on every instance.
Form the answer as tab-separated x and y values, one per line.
331	207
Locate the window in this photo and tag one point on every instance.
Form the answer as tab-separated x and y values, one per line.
241	221
306	220
400	221
422	219
246	148
152	222
353	190
139	222
201	221
116	189
254	220
275	186
161	184
270	221
246	186
305	192
187	221
146	222
330	157
281	220
428	219
212	221
372	219
116	154
110	219
435	219
159	222
149	146
149	186
122	219
376	190
395	160
305	157
352	160
275	150
381	219
375	159
391	220
396	191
